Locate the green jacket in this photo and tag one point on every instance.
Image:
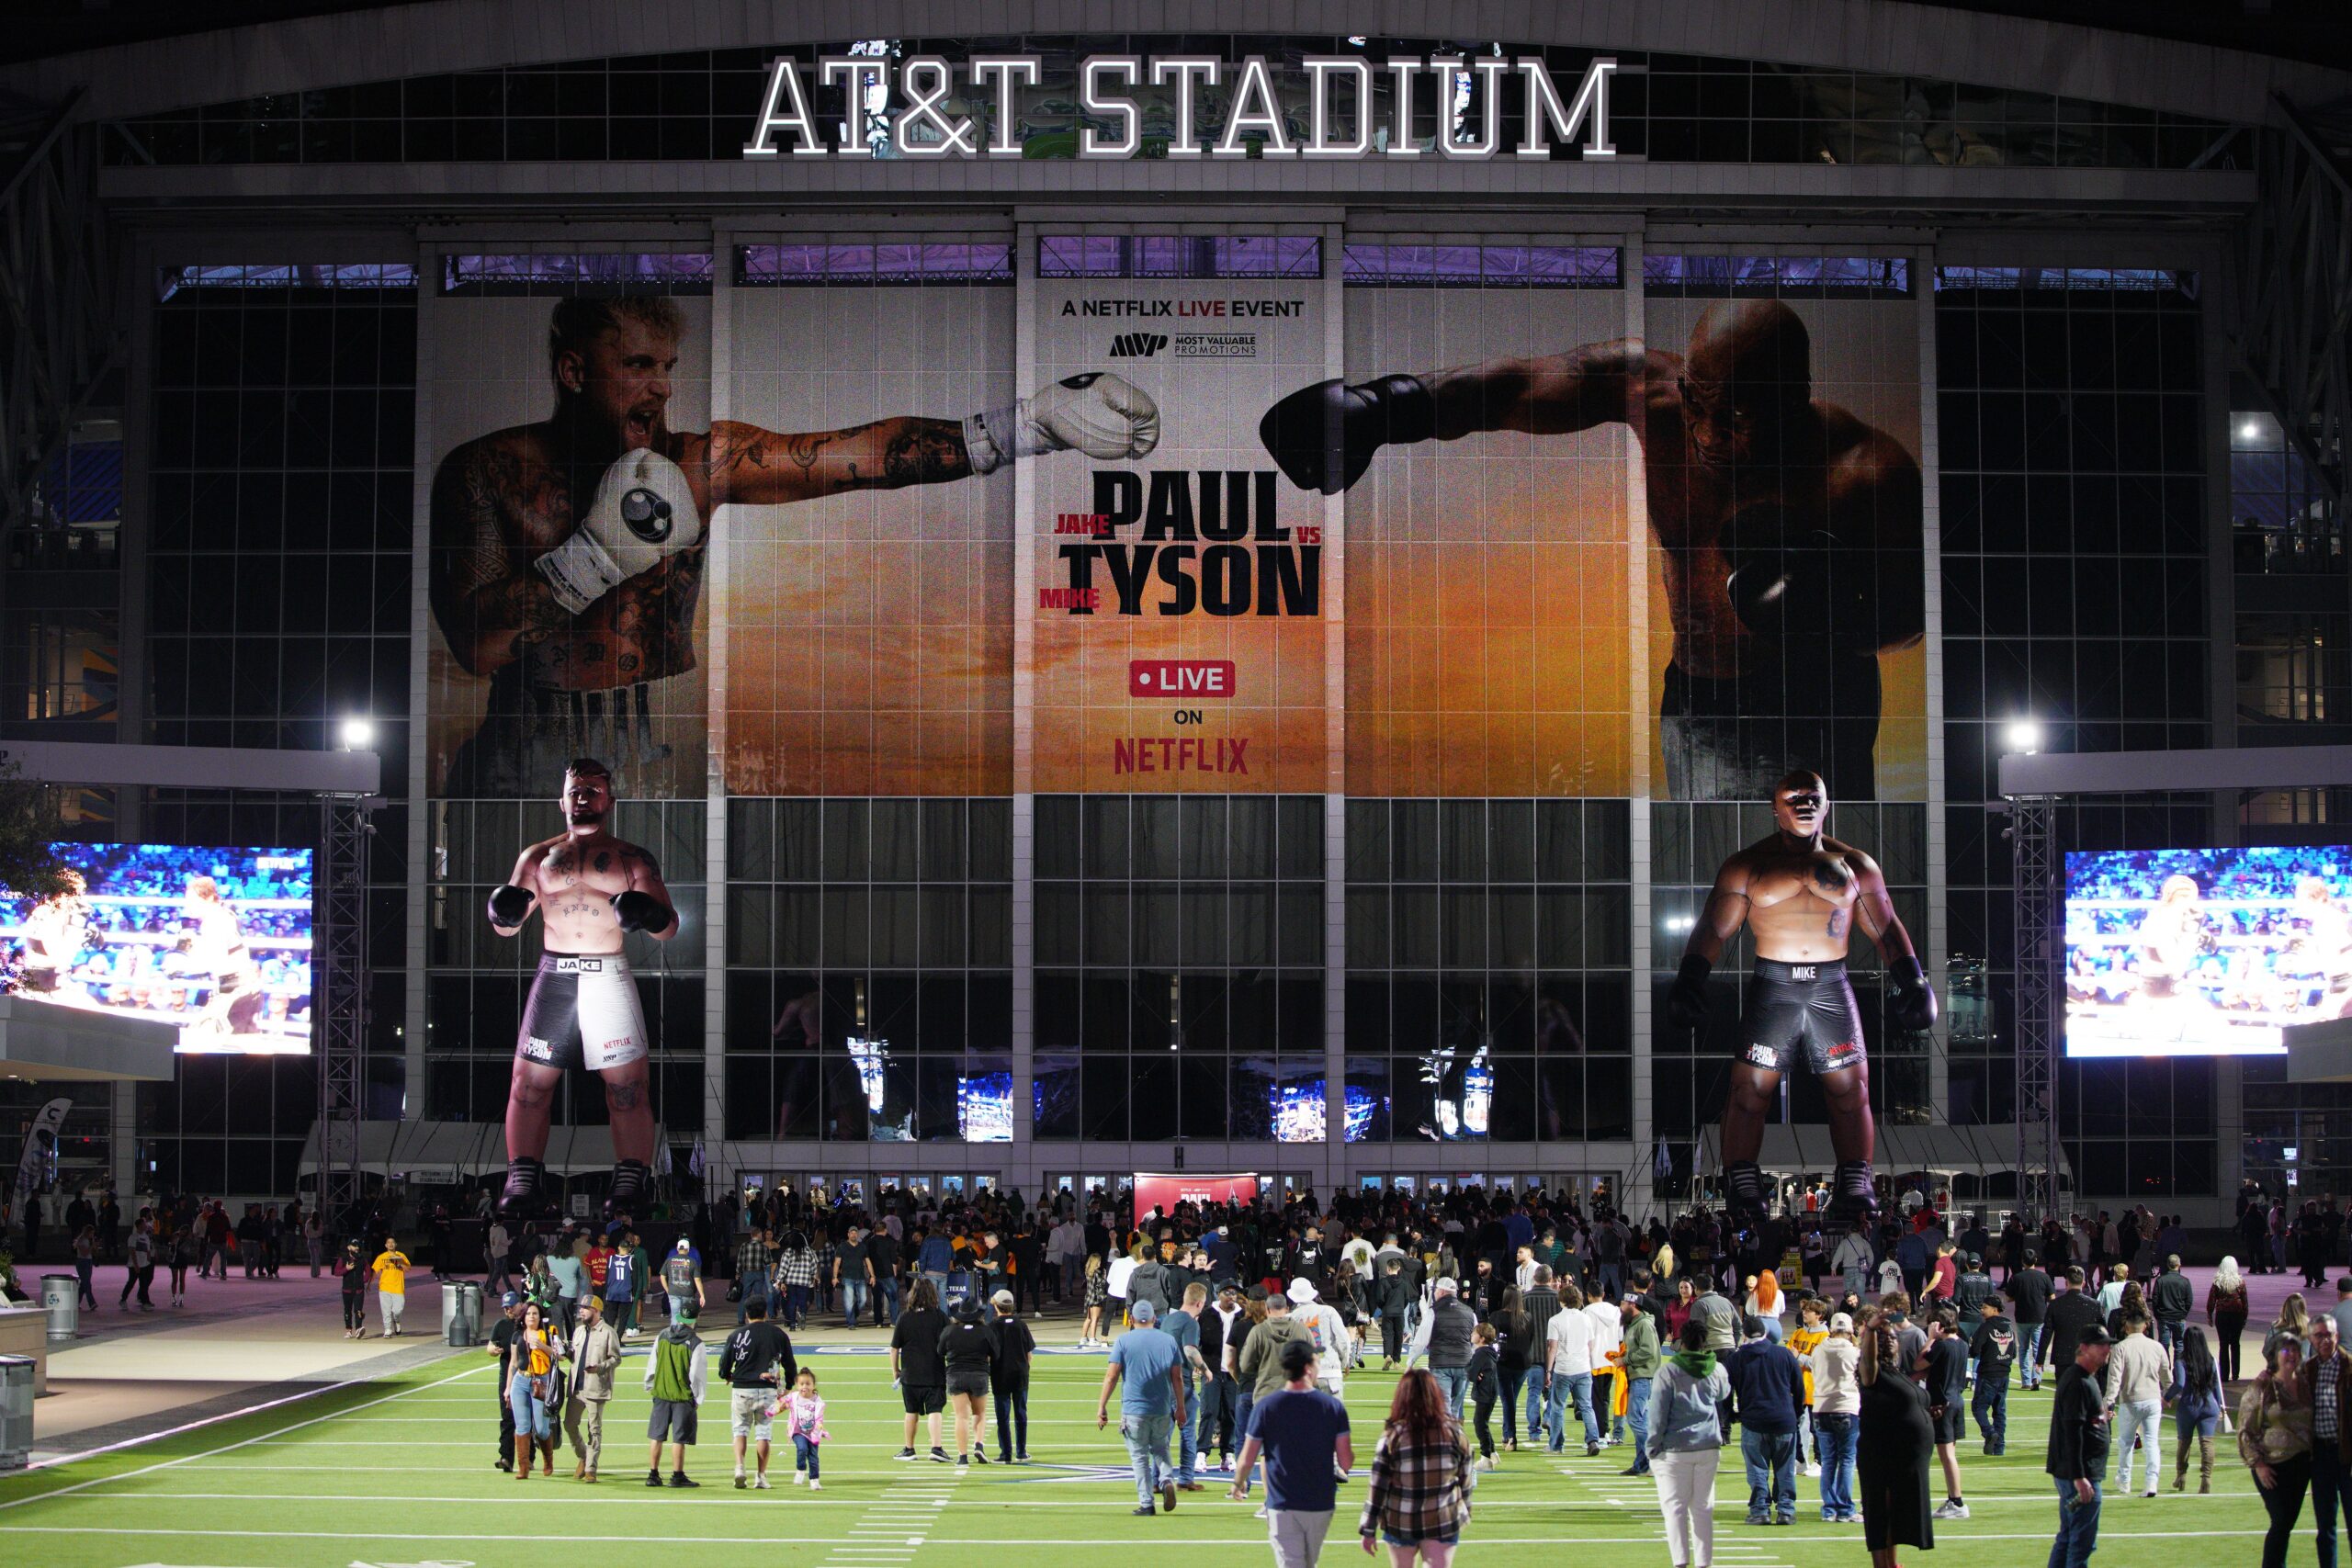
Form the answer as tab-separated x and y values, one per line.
1641	1347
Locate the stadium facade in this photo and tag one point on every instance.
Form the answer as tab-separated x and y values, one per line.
1224	805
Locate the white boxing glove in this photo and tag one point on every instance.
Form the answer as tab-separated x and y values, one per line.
1097	413
643	512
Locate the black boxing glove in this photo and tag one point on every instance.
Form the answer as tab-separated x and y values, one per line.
509	906
1323	436
641	911
1915	1003
1686	1002
1793	582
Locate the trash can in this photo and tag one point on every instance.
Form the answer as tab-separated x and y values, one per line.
16	1411
62	1295
453	1312
470	1294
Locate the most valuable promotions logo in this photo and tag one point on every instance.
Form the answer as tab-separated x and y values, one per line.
1137	345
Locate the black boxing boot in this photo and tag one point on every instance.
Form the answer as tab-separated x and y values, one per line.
1744	1191
526	1179
1853	1195
630	1181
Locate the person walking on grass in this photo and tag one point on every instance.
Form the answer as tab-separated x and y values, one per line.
1991	1349
595	1356
353	1268
968	1349
391	1272
1009	1380
1946	1380
2137	1373
1152	1366
2327	1384
1897	1440
803	1423
1298	1430
530	1392
2195	1396
2275	1441
2079	1437
1686	1440
1418	1498
757	1364
917	1368
677	1373
1768	1400
1089	1333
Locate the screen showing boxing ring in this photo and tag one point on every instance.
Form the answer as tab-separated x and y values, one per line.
2191	952
217	941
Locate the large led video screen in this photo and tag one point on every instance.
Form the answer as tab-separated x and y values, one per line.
217	941
2191	952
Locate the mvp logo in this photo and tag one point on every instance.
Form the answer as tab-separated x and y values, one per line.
1137	345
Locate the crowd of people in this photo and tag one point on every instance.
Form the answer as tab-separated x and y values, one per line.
1858	1364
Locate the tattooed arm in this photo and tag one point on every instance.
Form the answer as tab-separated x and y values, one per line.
488	605
767	467
645	877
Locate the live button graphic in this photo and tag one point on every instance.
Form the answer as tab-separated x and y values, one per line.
1180	677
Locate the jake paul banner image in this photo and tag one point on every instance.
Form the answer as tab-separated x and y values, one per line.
573	503
1178	626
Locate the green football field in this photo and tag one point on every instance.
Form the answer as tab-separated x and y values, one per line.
399	1471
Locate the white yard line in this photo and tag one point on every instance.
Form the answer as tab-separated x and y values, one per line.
225	1447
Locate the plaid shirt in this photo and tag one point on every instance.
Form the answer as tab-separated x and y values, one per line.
1418	1490
798	1267
2324	1402
753	1259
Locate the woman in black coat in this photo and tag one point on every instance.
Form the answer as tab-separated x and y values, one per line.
1897	1443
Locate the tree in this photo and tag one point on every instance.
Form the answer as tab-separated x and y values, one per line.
30	866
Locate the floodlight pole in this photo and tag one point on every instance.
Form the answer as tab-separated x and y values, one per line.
339	996
2033	863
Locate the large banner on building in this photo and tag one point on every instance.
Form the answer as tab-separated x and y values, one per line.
869	623
1178	623
1488	647
1781	461
573	502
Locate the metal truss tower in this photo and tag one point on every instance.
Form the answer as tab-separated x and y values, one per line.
340	1004
2034	863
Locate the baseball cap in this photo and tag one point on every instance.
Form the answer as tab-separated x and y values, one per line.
2093	1334
1448	1286
1631	1296
1143	1311
1300	1290
684	1246
511	1299
1841	1322
594	1303
1003	1299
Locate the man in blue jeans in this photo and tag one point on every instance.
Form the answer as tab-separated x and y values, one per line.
2078	1442
851	1273
1641	1366
1767	1400
1568	1370
1150	1405
1444	1337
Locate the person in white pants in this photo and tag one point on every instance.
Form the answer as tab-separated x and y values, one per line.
2138	1371
1686	1440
